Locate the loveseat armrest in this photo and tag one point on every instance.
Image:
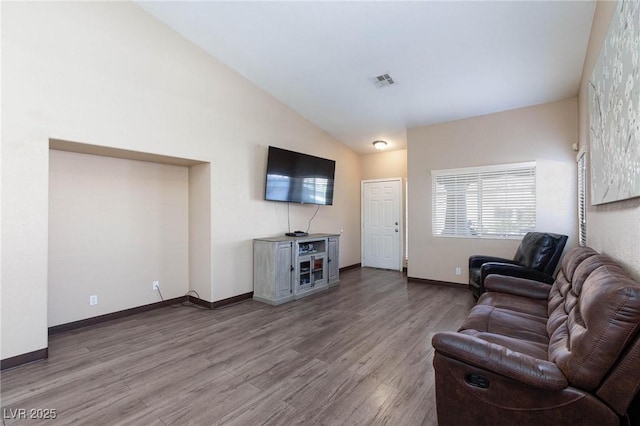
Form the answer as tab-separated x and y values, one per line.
478	260
500	360
518	286
514	271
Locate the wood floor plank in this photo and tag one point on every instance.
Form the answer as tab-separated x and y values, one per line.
359	353
211	403
357	404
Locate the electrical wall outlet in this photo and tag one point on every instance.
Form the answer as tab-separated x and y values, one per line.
458	270
156	285
93	300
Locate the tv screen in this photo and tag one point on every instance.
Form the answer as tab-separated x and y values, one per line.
299	178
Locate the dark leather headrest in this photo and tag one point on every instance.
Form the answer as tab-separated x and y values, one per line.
536	250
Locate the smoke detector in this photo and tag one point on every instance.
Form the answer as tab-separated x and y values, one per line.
383	80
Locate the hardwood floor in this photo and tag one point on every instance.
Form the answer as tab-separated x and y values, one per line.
359	353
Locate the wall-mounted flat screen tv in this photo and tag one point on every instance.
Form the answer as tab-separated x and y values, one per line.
299	178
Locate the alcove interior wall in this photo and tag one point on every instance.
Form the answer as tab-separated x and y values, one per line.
119	219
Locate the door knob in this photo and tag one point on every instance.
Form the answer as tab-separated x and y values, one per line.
396	229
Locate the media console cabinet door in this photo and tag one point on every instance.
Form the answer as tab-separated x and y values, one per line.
334	265
284	270
272	271
311	274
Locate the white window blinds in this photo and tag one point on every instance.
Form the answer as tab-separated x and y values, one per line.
582	199
494	201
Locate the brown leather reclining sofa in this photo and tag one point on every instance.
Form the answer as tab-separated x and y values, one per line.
534	354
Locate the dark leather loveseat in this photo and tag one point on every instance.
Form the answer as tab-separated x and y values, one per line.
533	354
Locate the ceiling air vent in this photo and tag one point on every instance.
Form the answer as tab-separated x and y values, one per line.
383	80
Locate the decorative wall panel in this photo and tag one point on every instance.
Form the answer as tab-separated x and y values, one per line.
614	90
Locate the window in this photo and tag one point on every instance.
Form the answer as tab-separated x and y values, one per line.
484	202
582	199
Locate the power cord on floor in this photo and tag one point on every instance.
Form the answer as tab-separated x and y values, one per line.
184	303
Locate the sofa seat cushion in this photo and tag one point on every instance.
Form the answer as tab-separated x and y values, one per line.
511	302
536	350
489	319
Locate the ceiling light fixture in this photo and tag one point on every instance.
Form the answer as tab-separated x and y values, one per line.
379	145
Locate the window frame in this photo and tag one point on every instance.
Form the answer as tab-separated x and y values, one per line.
481	172
581	159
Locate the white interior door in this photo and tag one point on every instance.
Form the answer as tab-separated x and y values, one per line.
382	223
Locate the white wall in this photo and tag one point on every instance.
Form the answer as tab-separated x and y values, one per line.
614	228
385	164
106	73
541	133
115	226
200	276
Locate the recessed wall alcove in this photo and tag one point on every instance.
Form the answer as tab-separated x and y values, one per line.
120	219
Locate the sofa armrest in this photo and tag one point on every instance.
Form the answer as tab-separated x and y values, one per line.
477	260
500	360
514	271
517	286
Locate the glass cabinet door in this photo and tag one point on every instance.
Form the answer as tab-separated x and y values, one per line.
311	271
318	268
305	272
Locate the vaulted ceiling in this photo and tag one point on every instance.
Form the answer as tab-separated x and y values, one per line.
448	60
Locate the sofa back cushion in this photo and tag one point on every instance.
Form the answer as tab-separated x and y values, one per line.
594	322
573	259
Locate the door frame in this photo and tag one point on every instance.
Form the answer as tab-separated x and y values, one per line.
400	221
